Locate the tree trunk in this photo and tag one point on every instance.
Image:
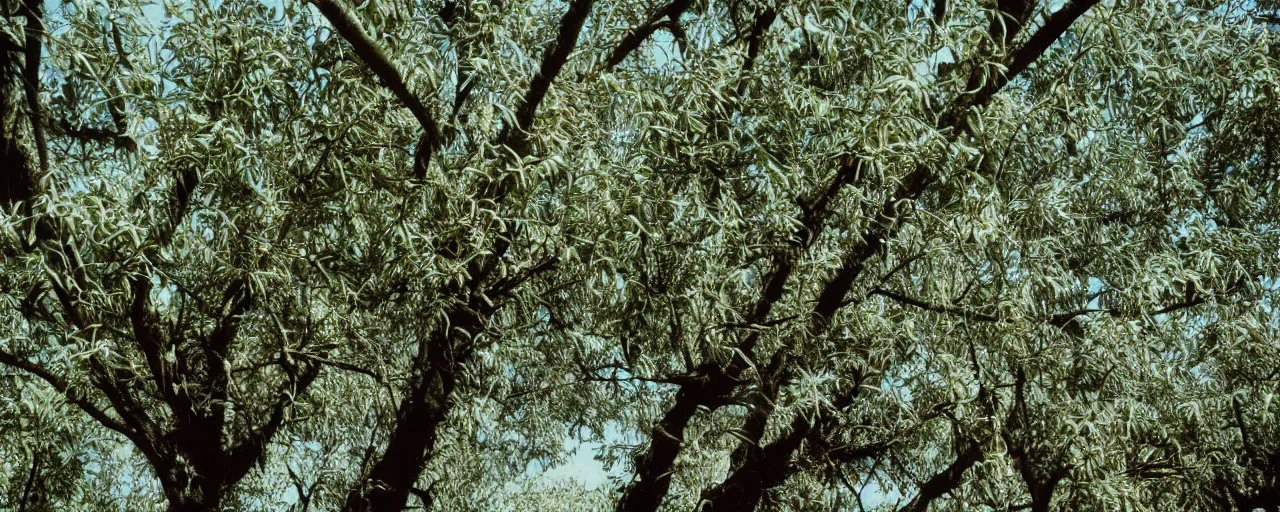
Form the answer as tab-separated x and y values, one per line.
387	486
189	491
653	466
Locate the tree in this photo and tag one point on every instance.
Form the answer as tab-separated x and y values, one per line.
772	256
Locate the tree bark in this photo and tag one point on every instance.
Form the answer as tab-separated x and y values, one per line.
947	480
389	483
764	468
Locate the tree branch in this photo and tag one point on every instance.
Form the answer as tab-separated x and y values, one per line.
756	37
154	347
386	487
637	35
463	86
126	406
31	479
502	287
9	45
19	179
950	310
814	214
653	466
97	135
1048	33
851	454
423	496
1179	306
764	468
516	136
348	25
32	11
61	386
240	458
946	480
378	377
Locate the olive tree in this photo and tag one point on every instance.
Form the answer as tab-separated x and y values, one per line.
912	256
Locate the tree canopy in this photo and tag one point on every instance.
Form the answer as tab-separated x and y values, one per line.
765	255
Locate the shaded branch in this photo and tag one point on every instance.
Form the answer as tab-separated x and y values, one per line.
304	493
1054	26
762	325
756	36
464	85
985	87
853	454
708	387
31	479
424	496
970	451
765	468
502	287
637	35
185	182
32	11
1061	320
9	45
951	310
341	365
1237	411
235	303
348	25
653	467
96	135
770	465
516	136
1179	306
59	384
19	181
425	405
154	346
946	480
241	458
109	380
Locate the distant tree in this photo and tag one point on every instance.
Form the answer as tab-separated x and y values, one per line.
851	255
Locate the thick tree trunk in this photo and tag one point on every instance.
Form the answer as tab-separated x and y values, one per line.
189	491
653	467
194	501
763	468
386	487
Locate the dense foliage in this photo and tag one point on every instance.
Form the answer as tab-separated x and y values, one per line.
798	255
